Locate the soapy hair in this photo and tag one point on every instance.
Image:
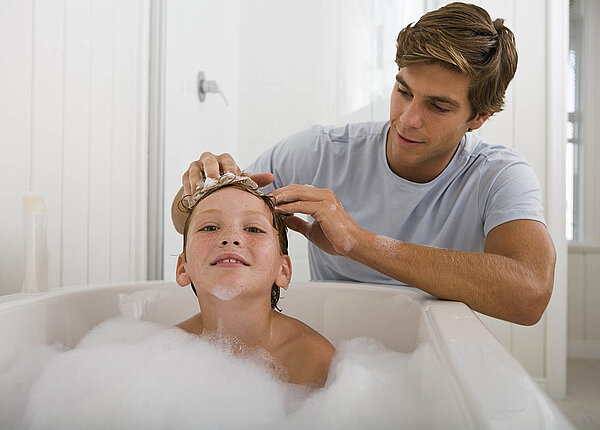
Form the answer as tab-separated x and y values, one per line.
188	203
463	37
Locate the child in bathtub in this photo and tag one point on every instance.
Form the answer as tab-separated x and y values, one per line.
235	257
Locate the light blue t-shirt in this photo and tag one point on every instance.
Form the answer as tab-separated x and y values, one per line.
482	187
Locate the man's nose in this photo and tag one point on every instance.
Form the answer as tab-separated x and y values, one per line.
412	117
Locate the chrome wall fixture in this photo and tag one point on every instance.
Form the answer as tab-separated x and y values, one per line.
205	87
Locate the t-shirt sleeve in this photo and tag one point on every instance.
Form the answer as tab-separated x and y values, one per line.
294	160
510	192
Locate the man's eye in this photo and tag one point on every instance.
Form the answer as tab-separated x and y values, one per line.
440	109
404	93
254	230
209	228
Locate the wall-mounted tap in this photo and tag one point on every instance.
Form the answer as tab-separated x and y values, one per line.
205	87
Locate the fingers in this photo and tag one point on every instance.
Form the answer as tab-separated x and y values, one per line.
305	193
228	164
208	166
262	179
303	207
298	224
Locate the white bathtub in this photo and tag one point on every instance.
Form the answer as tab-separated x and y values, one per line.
490	387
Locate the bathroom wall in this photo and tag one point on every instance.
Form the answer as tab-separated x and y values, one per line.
73	90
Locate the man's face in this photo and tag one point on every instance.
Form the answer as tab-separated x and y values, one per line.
232	247
429	114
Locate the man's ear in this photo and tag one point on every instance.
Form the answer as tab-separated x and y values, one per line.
182	276
478	121
285	272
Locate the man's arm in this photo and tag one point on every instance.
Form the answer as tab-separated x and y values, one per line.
511	280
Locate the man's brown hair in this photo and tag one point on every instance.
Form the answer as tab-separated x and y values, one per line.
463	37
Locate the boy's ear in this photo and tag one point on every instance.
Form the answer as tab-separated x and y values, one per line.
285	272
182	276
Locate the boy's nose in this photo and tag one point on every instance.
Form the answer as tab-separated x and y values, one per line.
225	242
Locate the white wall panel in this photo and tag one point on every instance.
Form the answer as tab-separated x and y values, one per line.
576	302
530	114
75	195
123	137
592	292
101	132
15	135
73	83
584	300
47	122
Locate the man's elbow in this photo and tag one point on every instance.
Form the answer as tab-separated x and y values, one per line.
533	308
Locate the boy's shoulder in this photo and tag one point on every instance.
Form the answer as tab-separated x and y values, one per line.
306	353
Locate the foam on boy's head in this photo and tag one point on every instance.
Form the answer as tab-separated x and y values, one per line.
209	185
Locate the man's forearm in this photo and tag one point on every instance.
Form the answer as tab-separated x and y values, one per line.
494	285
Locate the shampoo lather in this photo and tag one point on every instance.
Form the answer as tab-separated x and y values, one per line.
36	245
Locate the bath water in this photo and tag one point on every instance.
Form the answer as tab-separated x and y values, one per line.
128	374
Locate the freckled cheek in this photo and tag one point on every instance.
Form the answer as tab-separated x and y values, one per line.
197	250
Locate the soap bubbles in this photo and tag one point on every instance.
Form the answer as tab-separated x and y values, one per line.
141	375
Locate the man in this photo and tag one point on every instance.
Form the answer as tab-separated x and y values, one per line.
418	199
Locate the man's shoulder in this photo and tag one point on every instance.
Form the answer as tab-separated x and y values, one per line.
477	147
329	140
493	157
357	131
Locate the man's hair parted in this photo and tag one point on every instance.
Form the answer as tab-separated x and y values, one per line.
464	37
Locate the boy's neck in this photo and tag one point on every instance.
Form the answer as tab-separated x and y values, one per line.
249	323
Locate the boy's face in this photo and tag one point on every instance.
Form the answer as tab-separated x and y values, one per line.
232	247
429	114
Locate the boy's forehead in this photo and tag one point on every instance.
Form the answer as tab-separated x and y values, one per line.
232	200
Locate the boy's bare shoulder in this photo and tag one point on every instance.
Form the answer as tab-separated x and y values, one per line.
192	325
306	353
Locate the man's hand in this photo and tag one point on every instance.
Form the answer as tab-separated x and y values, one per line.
208	166
212	166
333	230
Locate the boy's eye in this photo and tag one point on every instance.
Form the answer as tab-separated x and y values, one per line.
254	230
209	228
